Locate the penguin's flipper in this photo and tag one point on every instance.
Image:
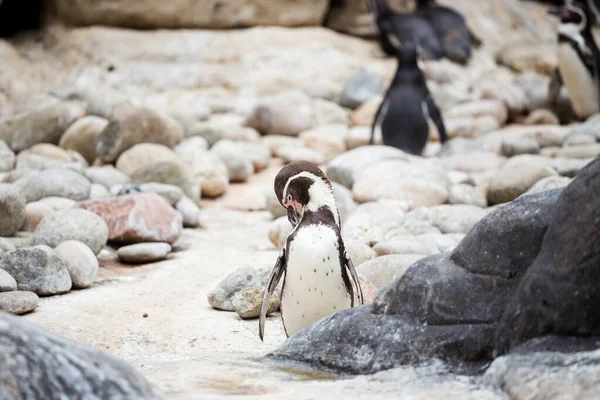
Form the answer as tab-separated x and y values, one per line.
354	275
436	117
375	120
274	279
554	86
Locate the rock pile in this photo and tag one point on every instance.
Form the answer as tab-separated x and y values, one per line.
57	213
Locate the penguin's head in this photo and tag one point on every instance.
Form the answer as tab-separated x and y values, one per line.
302	186
573	12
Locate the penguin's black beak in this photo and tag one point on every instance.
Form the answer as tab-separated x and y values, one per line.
293	216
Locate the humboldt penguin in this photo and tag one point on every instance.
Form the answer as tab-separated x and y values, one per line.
317	272
393	28
451	29
578	59
403	115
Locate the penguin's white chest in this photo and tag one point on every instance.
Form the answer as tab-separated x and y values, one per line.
314	287
582	88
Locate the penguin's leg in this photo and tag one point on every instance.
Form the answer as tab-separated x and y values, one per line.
274	279
556	83
436	117
350	267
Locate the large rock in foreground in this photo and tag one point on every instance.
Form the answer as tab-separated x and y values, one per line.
445	306
139	217
559	292
359	341
191	13
547	373
63	368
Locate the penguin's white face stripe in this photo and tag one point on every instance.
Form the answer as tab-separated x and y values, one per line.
573	32
320	194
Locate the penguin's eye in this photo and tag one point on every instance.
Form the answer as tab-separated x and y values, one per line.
289	197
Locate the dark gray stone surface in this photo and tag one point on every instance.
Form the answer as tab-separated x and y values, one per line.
506	241
435	291
559	293
37	364
361	342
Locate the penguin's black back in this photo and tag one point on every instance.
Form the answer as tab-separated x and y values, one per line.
403	115
404	125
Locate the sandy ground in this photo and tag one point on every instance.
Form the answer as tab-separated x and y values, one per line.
194	352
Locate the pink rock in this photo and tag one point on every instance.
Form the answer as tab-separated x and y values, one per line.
138	217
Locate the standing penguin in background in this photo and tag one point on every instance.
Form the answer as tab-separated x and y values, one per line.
578	59
451	28
403	115
317	272
394	28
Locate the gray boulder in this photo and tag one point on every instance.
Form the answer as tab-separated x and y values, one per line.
12	209
239	165
506	241
72	224
244	277
37	269
539	371
64	369
559	291
7	282
18	302
360	88
362	342
54	182
43	125
346	167
7	157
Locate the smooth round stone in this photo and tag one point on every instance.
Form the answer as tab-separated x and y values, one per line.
7	282
18	302
80	261
144	252
54	182
239	165
58	203
73	224
189	211
98	191
35	212
171	193
247	301
37	269
106	176
12	209
6	245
